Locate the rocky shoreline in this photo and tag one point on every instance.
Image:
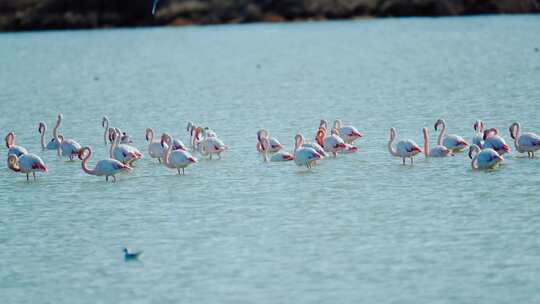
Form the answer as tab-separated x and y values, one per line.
23	15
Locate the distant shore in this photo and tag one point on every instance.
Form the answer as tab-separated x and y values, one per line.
26	15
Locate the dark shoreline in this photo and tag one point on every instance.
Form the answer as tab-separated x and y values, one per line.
30	15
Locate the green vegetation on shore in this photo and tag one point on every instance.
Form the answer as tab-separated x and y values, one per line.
61	14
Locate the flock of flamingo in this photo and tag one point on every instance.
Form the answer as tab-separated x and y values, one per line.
485	151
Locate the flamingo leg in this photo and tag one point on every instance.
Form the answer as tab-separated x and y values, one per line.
27	178
210	155
106	178
183	173
159	160
178	170
34	174
404	160
412	160
114	178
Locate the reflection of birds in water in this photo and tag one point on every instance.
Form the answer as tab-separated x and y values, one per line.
154	6
131	255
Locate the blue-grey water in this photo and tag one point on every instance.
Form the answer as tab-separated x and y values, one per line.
357	229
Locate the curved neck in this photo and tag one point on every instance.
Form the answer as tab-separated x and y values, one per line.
42	129
299	141
150	135
167	156
391	148
84	163
426	142
114	143
106	127
441	134
474	161
55	135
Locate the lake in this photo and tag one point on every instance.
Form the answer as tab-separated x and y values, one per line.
358	228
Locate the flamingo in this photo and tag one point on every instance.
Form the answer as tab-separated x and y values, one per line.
313	145
494	141
124	153
526	142
404	148
104	167
51	145
264	147
454	143
484	159
156	149
12	148
348	133
304	156
67	147
437	151
273	144
478	137
26	163
332	143
177	159
210	145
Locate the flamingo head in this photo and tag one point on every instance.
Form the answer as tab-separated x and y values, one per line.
12	163
147	133
392	134
104	121
165	138
473	150
439	122
323	124
82	152
42	127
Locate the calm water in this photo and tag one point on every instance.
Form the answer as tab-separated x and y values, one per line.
360	228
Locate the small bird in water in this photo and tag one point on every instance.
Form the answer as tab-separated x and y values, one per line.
131	255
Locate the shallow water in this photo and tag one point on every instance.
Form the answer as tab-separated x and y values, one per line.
357	228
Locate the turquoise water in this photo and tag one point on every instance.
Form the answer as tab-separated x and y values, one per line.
359	228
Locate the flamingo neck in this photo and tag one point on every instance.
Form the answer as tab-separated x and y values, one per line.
474	161
84	163
56	137
167	156
42	130
114	143
391	148
426	142
441	134
106	126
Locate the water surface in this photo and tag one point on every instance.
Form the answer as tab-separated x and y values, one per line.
357	228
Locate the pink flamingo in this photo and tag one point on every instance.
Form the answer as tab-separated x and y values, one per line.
524	142
105	167
494	141
176	159
404	148
26	163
